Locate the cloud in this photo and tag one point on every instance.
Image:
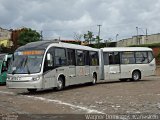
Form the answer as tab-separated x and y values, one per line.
65	17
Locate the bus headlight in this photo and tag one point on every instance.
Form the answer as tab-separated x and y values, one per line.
36	78
9	78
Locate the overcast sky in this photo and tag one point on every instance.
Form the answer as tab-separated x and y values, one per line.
63	18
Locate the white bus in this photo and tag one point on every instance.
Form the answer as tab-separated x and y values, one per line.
125	63
48	64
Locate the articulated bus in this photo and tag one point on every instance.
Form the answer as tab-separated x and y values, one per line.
48	64
126	63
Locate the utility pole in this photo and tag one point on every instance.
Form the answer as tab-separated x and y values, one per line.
99	30
41	35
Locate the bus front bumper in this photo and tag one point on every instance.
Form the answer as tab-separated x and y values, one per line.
28	84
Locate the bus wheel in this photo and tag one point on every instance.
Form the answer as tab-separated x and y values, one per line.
136	75
94	79
60	84
32	90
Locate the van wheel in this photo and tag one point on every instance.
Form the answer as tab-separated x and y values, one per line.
136	75
32	90
94	81
60	84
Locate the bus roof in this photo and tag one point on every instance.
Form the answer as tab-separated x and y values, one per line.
111	49
73	46
42	45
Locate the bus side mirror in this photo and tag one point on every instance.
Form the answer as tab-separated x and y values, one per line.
48	56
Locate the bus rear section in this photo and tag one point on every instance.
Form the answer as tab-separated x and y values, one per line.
48	64
127	63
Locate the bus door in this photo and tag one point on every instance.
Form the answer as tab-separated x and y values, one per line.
80	68
49	76
3	74
104	66
72	67
87	66
114	66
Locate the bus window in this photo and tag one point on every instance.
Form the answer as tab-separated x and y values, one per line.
128	58
80	59
86	55
111	60
94	58
150	56
106	60
60	57
141	58
114	58
49	60
71	57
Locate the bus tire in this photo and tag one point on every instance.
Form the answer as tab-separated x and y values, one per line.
32	90
136	75
94	81
60	84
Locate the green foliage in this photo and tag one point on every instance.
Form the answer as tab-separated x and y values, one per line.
89	37
100	45
147	45
28	35
5	49
77	43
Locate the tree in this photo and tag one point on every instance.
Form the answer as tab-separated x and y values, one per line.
89	37
97	40
28	35
77	36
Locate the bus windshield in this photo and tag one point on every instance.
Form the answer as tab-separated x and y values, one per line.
26	62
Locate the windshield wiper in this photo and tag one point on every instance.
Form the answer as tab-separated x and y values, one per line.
13	72
28	70
26	60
